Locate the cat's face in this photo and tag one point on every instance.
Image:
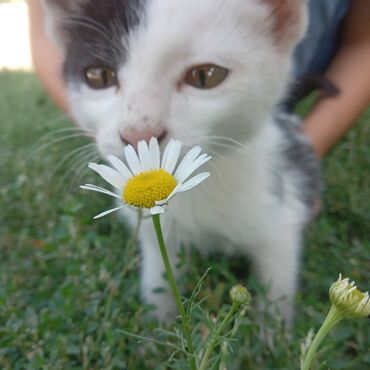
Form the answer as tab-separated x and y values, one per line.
184	69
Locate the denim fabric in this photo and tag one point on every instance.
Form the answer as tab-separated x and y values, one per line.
315	52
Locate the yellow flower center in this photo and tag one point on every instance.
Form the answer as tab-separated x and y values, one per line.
146	188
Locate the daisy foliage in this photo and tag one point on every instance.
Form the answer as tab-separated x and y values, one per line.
149	181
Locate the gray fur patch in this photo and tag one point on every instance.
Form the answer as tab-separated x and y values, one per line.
94	33
65	5
300	159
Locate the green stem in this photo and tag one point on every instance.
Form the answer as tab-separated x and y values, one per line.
212	342
175	291
331	320
135	235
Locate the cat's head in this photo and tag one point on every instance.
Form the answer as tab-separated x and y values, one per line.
184	69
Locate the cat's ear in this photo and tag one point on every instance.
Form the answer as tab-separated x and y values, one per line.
289	20
57	14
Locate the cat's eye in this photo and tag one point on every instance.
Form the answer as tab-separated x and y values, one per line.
100	77
206	76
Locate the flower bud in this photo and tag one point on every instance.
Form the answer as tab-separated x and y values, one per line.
240	295
349	300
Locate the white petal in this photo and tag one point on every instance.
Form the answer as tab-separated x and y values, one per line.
120	166
144	156
180	188
157	210
99	190
171	155
165	201
109	174
132	160
183	173
189	158
100	215
166	152
194	181
154	153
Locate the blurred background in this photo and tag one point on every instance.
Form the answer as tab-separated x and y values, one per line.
15	51
68	284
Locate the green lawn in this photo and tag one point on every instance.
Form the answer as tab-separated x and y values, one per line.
68	284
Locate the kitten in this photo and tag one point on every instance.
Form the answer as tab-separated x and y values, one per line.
209	73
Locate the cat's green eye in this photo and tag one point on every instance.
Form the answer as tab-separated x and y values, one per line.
206	76
100	77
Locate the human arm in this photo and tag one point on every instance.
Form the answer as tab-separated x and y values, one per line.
332	116
46	58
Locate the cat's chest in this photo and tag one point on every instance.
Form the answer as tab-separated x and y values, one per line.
229	204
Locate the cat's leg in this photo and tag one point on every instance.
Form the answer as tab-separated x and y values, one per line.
155	289
276	261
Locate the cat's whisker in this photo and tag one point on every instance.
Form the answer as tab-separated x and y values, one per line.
248	153
82	170
117	30
218	155
76	152
52	133
230	163
56	141
100	51
88	23
92	25
243	149
83	160
60	118
231	140
71	129
221	178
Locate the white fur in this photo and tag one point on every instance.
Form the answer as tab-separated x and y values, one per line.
235	209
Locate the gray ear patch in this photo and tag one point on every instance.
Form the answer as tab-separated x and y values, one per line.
92	32
66	5
55	11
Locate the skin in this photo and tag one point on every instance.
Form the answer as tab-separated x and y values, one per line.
331	117
327	122
46	58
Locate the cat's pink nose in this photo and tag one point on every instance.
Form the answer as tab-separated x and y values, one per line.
133	136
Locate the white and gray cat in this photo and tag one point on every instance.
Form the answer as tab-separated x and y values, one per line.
209	73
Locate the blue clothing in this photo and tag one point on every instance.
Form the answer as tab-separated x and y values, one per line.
314	54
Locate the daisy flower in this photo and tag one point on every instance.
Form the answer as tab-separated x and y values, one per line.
349	300
147	181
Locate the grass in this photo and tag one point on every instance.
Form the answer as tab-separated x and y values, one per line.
68	284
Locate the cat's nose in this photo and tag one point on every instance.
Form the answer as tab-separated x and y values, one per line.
133	136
